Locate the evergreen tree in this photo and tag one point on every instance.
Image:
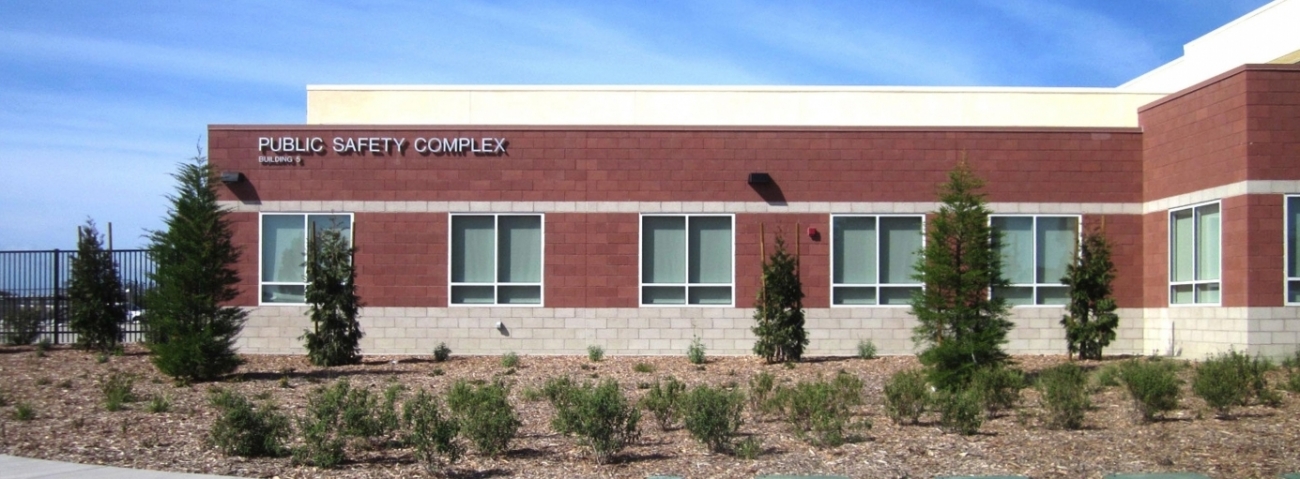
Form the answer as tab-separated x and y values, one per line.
96	306
191	333
962	327
331	291
1091	322
779	309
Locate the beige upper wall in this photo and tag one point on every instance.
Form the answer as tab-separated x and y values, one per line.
723	106
1269	34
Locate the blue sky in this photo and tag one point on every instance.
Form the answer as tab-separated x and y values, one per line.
99	101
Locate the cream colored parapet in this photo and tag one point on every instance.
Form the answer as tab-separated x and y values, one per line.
724	106
1270	34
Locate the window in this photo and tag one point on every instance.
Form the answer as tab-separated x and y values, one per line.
1035	253
872	259
496	259
1194	255
284	252
686	260
1292	254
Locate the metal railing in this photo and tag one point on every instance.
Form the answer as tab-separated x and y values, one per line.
33	290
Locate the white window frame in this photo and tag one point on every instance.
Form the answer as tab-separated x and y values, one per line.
261	222
541	285
1078	238
1287	237
877	284
1169	256
640	263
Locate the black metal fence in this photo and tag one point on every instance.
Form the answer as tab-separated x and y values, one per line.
33	293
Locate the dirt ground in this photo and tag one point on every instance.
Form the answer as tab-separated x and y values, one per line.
72	424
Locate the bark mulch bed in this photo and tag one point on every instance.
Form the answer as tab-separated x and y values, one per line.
71	423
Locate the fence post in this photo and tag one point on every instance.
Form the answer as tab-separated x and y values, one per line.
57	303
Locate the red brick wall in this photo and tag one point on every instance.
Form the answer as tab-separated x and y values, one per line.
1124	232
1273	116
814	255
591	260
695	165
1264	244
401	258
1195	140
1155	259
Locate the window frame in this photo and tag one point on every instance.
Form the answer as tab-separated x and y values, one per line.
496	284
1078	238
1196	241
1287	237
877	284
261	226
640	263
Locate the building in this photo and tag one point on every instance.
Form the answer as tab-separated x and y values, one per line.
542	220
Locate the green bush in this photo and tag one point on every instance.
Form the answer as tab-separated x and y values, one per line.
23	326
43	346
1292	365
664	401
643	368
907	396
761	387
441	353
602	418
695	352
1233	379
431	432
510	360
1064	395
117	391
159	403
999	388
749	448
959	411
556	389
1106	376
819	411
1153	386
778	312
23	411
485	416
242	429
866	349
712	416
323	427
595	353
333	304
95	301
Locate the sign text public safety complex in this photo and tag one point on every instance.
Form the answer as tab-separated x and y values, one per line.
280	147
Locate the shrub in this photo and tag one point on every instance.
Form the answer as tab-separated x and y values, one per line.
117	390
557	389
749	448
510	360
335	336
998	387
43	346
866	349
602	418
241	429
907	396
159	403
695	352
959	411
1090	321
664	401
1233	379
595	353
1064	395
1106	376
1152	385
643	368
431	432
778	312
961	328
324	430
485	416
819	412
23	326
191	330
23	411
441	353
761	387
712	416
95	300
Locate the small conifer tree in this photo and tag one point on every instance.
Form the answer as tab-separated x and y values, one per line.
779	309
191	332
331	292
962	327
1091	320
95	301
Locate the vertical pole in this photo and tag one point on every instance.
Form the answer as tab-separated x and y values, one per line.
762	260
57	303
110	236
798	235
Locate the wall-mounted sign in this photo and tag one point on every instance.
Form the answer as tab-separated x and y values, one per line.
389	146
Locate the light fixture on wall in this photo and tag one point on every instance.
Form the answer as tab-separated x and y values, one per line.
230	177
757	179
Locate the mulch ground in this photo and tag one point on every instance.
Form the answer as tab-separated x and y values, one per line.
72	424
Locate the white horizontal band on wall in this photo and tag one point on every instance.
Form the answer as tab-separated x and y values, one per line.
1219	192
